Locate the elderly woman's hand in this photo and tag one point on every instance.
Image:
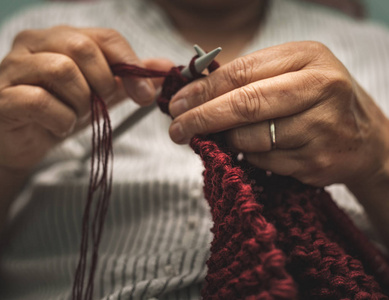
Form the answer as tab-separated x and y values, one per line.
328	130
46	83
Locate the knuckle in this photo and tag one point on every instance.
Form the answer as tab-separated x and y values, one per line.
318	79
10	61
320	163
38	100
61	67
320	82
245	103
81	47
23	35
41	100
331	83
316	47
201	90
313	50
340	81
110	36
113	38
315	169
240	71
199	121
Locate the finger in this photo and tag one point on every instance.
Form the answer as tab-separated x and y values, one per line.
82	49
117	98
55	72
159	64
25	104
117	50
291	133
155	64
281	162
267	99
266	63
93	50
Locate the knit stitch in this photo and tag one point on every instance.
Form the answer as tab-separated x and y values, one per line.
268	228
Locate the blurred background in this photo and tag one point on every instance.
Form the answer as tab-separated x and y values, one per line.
377	10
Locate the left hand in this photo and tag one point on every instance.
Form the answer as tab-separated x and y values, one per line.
328	130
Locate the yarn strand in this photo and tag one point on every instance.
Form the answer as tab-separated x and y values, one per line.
99	191
100	185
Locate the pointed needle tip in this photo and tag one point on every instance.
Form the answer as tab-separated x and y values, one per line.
199	50
204	61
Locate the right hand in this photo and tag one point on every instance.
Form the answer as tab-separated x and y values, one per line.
46	82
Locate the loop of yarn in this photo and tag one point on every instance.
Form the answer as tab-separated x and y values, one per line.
274	237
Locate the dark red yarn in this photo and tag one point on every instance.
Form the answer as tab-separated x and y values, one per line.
100	184
274	237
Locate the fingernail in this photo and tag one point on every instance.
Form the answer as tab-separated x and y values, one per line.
69	131
85	118
144	92
177	134
178	107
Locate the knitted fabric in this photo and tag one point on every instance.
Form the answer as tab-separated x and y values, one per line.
252	211
274	237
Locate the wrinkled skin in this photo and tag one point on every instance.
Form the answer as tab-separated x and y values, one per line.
46	83
328	130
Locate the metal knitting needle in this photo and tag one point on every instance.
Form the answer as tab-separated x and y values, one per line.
200	64
199	50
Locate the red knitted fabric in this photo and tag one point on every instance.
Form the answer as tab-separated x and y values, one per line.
274	237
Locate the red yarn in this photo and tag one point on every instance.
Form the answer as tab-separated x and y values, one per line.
98	194
274	237
101	177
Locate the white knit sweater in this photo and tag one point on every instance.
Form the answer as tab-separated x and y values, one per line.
156	237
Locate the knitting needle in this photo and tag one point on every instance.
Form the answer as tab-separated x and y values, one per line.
200	64
199	50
